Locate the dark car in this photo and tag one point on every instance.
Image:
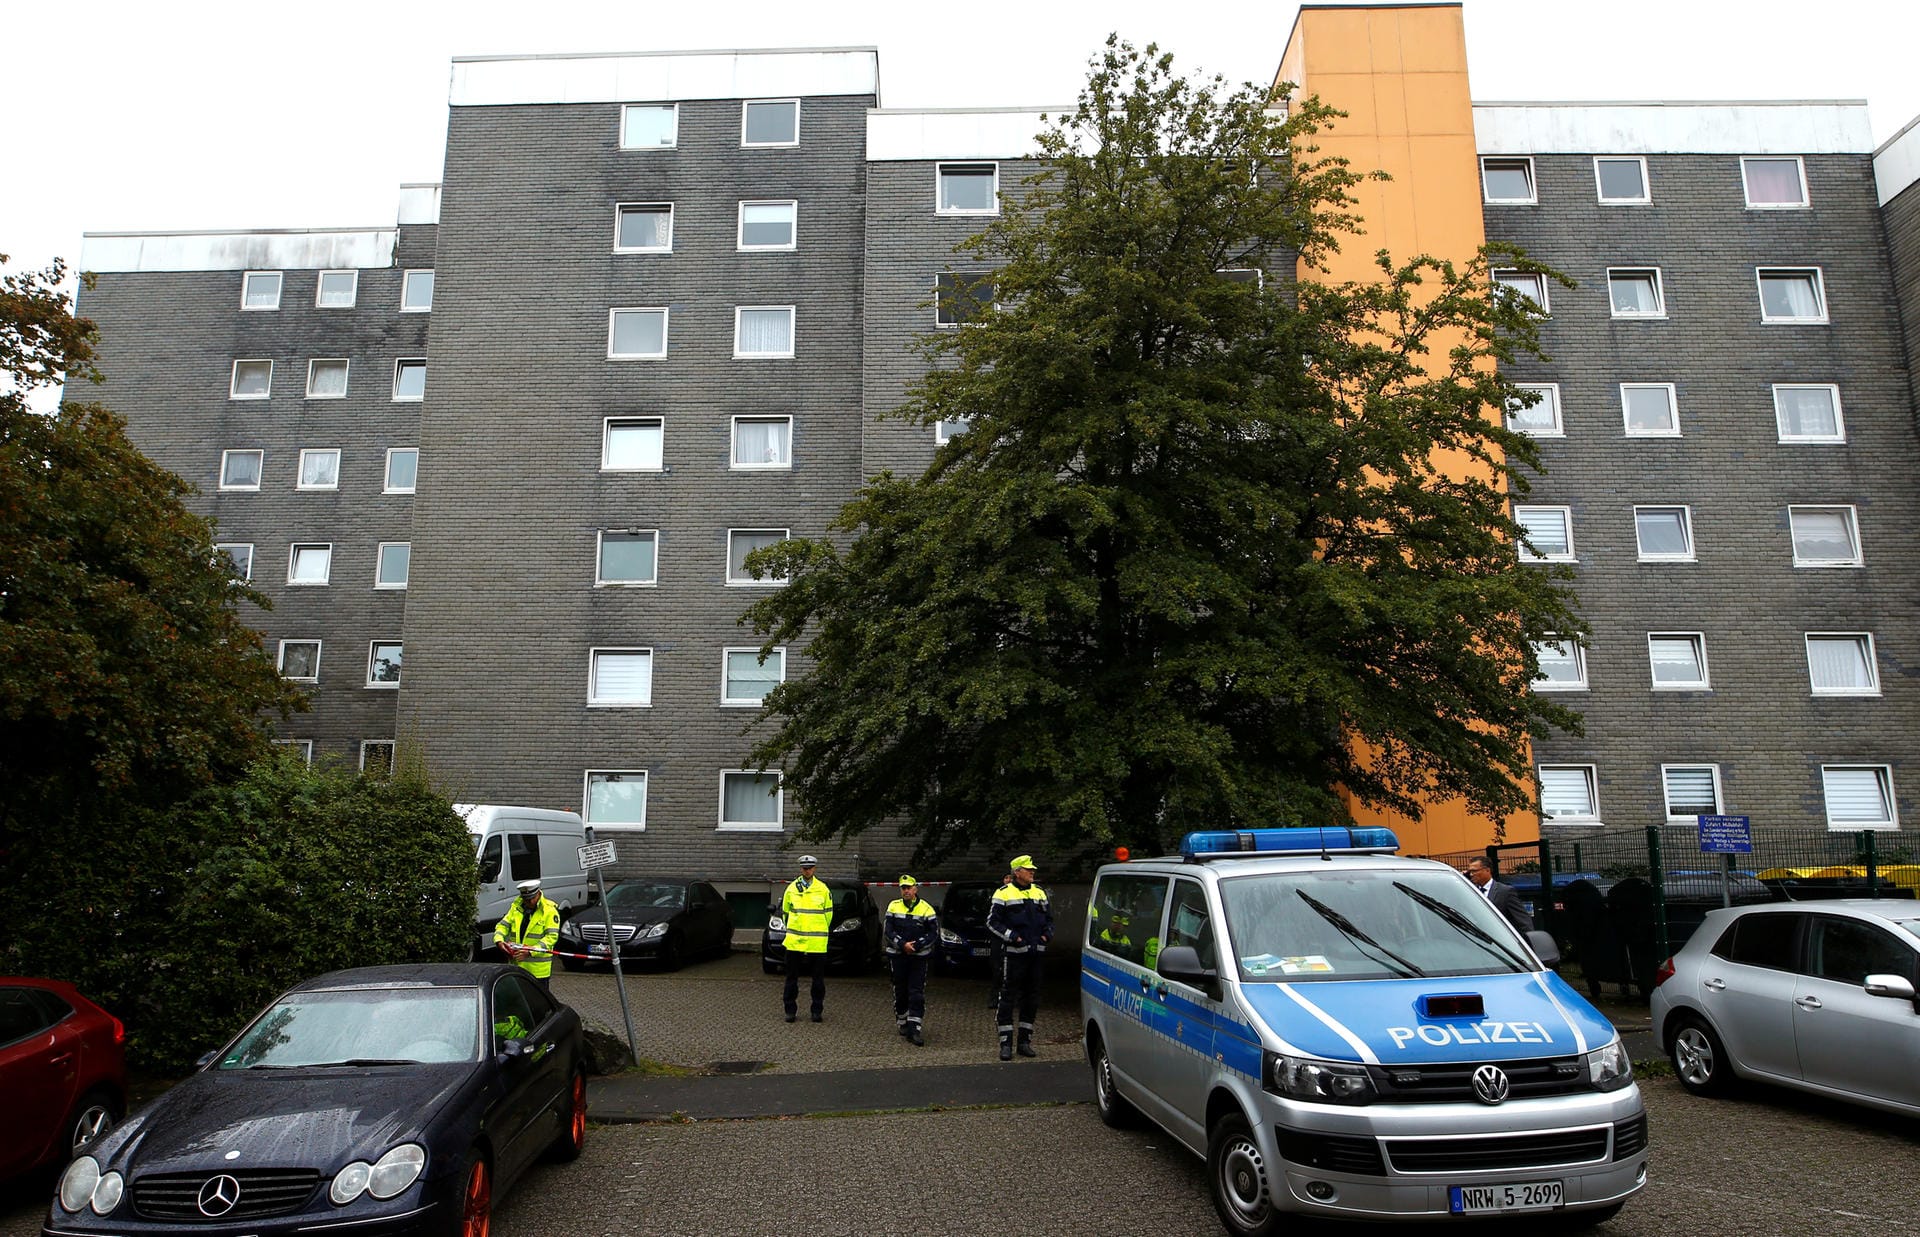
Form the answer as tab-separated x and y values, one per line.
664	919
394	1099
964	942
62	1069
853	939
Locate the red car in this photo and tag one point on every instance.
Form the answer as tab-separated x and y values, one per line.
62	1069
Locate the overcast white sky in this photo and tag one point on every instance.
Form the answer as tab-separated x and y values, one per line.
157	116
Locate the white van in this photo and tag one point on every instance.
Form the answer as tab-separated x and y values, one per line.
514	844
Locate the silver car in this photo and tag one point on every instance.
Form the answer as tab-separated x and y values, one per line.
1813	995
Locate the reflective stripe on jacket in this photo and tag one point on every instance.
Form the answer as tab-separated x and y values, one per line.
1019	918
916	923
808	911
540	930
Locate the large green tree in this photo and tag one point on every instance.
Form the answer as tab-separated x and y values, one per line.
1214	545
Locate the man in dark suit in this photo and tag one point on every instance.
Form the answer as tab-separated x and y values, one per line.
1504	899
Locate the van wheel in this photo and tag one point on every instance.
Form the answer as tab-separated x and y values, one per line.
1114	1110
1699	1058
1237	1179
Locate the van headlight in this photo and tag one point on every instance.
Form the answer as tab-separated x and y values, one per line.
1610	1068
1318	1082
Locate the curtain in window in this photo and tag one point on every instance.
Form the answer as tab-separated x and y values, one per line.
623	677
1840	664
300	661
766	331
617	798
1534	420
1774	182
1807	412
1675	660
263	292
320	468
242	468
252	378
1789	296
1546	529
1566	792
1822	536
1634	294
1661	532
761	442
1557	662
749	679
749	798
1856	796
742	544
1649	409
328	378
646	228
1690	792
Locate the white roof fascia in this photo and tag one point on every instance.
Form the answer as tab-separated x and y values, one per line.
288	249
1768	128
663	77
1896	165
956	133
419	204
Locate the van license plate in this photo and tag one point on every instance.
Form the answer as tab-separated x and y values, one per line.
1473	1200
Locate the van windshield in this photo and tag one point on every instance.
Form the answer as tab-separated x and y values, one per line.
1377	924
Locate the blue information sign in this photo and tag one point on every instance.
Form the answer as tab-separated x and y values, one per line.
1726	835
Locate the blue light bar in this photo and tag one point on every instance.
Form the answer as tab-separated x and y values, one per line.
1296	840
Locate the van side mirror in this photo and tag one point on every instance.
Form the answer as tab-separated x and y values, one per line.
1896	986
1181	963
1546	947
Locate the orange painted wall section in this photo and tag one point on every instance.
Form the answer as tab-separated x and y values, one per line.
1400	74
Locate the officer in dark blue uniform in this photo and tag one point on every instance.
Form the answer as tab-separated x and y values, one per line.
912	932
1022	924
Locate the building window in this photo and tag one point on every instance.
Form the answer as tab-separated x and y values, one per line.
239	559
1549	534
1635	292
251	380
1842	664
643	227
1507	181
1542	418
1691	790
649	126
750	800
319	470
744	541
376	757
770	122
763	331
403	470
1858	796
958	299
947	429
768	225
1663	534
1679	660
1621	180
617	800
300	660
747	677
260	290
631	444
337	289
1650	409
1563	666
301	748
636	333
383	663
1567	794
1791	294
627	557
410	379
416	297
391	564
309	564
327	379
240	470
763	442
1808	412
968	188
1824	536
620	678
1526	285
1774	183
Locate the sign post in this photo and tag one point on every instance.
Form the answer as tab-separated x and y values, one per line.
1726	836
594	856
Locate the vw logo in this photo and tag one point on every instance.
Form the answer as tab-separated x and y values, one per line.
218	1196
1490	1084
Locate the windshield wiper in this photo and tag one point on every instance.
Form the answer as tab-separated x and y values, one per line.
363	1061
1356	935
1466	927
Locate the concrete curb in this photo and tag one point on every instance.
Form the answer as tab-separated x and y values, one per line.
634	1098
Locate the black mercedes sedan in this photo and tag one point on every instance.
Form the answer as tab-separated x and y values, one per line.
664	919
395	1099
853	936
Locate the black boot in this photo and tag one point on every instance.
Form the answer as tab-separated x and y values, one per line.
914	1037
1026	1046
1006	1050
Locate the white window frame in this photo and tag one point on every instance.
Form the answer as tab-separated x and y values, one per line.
380	561
1543	305
345	362
293	552
1699	642
406	284
741	702
1861	639
1527	555
793	333
1549	398
1883	774
1686	528
1533	181
279	289
1592	777
1659	293
666	326
1666	792
259	474
1746	188
599	550
233	380
606	441
300	476
942	435
747	103
226	548
372	646
653	207
1626	413
779	822
1853	534
749	581
304	746
1819	294
939	172
280	662
733	450
1579	665
398	364
620	134
594	700
1839	414
353	292
622	826
1646	183
386	480
393	752
740	226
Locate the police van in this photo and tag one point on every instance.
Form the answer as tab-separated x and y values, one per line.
1345	1032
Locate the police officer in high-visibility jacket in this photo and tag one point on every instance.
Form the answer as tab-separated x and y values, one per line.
1020	921
529	931
912	930
807	909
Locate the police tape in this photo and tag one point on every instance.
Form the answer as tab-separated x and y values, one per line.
558	953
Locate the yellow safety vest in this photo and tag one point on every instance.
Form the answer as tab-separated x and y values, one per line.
809	915
540	930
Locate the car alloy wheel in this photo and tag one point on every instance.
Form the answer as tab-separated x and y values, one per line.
476	1202
1699	1061
93	1120
573	1135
